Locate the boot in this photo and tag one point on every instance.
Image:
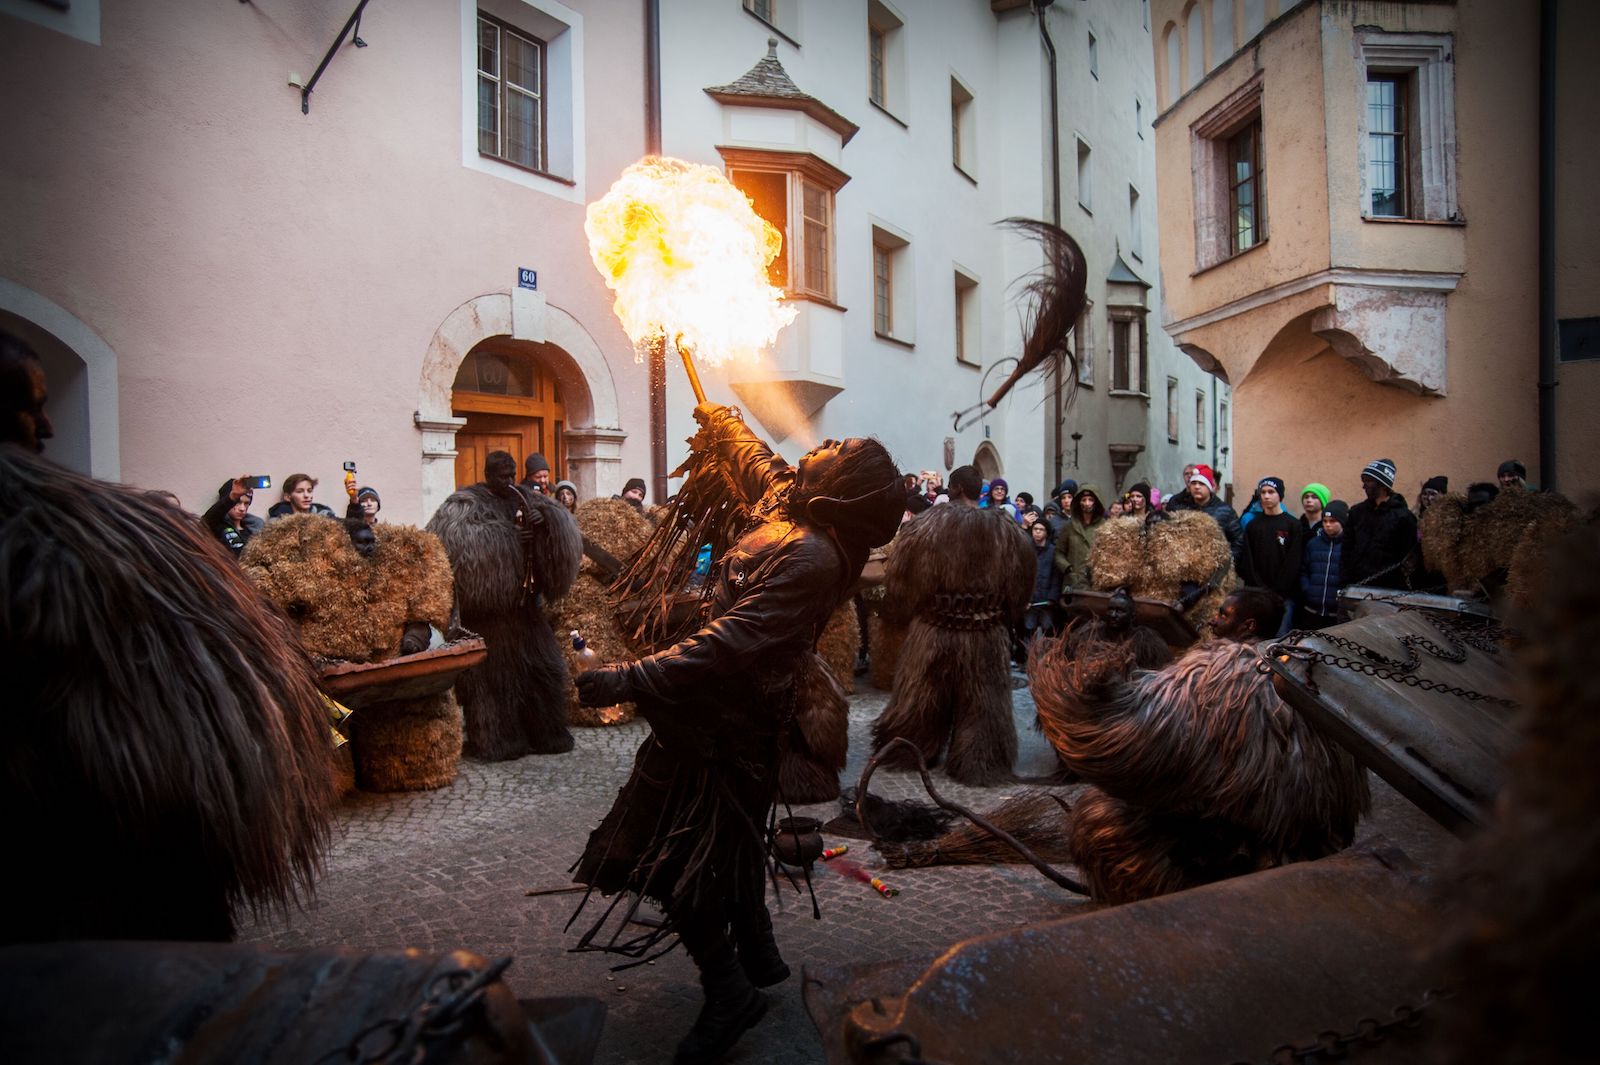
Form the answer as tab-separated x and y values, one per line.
758	951
732	1005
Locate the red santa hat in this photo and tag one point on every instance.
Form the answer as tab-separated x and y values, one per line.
1204	475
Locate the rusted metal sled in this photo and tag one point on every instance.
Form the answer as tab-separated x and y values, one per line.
1254	969
1422	697
228	1004
1224	973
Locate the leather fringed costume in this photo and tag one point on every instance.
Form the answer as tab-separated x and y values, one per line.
688	827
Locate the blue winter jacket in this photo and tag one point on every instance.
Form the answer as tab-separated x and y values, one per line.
1319	573
1046	578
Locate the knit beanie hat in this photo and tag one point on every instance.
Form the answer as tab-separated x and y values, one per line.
1143	488
567	484
1437	484
1380	470
364	492
1512	468
1068	487
1276	482
1338	510
1319	490
633	482
534	463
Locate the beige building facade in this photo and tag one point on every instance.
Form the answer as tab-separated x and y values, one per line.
1350	234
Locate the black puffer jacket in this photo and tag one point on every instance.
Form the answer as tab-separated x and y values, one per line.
1377	541
1224	515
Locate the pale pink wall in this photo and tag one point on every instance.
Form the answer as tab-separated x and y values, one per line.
270	281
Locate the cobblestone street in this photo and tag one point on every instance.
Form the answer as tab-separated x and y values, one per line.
449	869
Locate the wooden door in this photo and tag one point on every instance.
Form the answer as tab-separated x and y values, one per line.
512	404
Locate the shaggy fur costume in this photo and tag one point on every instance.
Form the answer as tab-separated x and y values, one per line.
515	702
1036	819
1157	560
1198	771
1475	550
952	684
839	644
1527	931
348	607
617	528
166	756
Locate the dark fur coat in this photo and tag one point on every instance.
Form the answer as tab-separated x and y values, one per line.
515	702
1198	771
959	577
165	755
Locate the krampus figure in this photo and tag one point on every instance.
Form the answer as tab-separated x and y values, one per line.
166	755
685	829
960	577
1498	547
510	549
1181	558
1198	771
613	531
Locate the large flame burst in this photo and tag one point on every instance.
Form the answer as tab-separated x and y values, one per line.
687	257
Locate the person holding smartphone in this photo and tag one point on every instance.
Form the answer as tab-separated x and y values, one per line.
229	518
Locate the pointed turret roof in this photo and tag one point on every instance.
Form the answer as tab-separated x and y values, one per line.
767	84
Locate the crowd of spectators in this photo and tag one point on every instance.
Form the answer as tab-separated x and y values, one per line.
1304	549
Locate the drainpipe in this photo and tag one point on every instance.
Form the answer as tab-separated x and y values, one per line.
1547	245
1057	404
658	352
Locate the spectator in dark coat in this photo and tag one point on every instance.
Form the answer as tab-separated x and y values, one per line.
1319	570
1272	545
1058	512
1203	496
229	518
1381	532
1041	614
1181	500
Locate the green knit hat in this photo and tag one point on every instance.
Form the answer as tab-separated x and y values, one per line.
1318	490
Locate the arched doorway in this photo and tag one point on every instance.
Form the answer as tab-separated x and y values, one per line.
987	459
81	372
511	400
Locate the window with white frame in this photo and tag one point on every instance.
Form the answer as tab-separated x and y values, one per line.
781	15
968	347
1172	409
893	297
1408	135
1129	362
795	193
1085	177
521	98
1199	419
1230	179
963	136
886	59
1083	345
511	95
1135	225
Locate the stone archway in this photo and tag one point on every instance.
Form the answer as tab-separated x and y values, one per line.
987	459
594	436
81	370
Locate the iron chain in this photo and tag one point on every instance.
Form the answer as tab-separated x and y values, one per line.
1372	663
440	1013
1368	1031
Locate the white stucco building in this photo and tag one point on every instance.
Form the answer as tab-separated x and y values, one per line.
886	140
220	281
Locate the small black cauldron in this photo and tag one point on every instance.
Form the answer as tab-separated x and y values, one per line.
797	840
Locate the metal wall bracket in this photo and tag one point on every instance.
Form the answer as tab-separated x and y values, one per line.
352	29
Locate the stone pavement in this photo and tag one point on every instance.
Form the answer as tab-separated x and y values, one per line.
449	869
